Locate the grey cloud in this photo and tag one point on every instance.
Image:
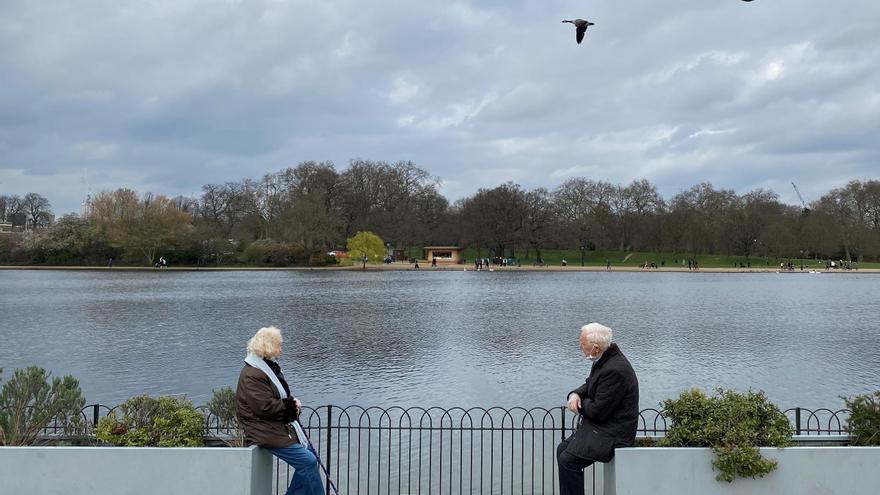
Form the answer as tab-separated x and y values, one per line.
166	96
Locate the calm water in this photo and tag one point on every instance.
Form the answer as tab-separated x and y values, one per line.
446	339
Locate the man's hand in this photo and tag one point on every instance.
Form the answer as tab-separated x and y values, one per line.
299	406
574	403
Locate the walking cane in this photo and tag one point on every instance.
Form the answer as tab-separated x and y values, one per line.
301	433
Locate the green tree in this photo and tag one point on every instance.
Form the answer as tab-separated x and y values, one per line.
366	245
29	402
139	226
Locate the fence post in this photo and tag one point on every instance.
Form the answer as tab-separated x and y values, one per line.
562	421
797	420
329	456
95	412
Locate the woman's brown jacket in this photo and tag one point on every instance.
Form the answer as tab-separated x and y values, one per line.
261	413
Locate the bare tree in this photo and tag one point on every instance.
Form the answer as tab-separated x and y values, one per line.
539	220
11	208
585	210
495	218
310	216
37	210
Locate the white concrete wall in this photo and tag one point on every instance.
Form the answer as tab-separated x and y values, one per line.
801	471
135	471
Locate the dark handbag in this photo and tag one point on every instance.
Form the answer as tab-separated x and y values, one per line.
591	443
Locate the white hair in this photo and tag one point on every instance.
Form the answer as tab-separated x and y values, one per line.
598	334
265	342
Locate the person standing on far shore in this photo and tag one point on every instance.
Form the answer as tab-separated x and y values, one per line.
608	403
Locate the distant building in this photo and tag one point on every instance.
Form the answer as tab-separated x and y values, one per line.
449	255
85	209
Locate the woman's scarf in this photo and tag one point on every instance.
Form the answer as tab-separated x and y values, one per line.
257	362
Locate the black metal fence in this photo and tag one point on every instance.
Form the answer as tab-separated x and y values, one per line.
435	450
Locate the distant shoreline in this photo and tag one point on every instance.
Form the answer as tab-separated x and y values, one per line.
426	267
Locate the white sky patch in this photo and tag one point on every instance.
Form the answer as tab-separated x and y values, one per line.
563	174
458	114
287	77
672	163
95	150
661	135
73	192
402	91
463	14
711	132
720	58
95	95
347	48
511	146
786	61
773	70
405	121
630	141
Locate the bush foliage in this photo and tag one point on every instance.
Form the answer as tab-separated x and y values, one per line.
733	424
153	422
224	407
864	421
29	402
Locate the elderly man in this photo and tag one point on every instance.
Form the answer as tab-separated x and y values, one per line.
608	403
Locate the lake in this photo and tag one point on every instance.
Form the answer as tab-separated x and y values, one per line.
445	338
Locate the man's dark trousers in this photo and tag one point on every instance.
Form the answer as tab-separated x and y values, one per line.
571	470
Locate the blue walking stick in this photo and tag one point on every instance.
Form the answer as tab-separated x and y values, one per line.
301	431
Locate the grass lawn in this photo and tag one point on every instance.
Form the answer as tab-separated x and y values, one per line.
634	259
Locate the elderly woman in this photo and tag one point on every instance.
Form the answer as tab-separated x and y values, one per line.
266	409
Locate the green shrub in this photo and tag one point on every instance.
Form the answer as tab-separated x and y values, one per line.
864	421
153	422
257	252
224	406
733	424
269	252
281	254
28	403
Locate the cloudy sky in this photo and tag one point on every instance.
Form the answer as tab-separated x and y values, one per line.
168	95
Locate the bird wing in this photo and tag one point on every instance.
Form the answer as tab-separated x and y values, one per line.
580	34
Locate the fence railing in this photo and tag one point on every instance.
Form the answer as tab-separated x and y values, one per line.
436	450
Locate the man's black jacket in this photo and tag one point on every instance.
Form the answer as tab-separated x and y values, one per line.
609	408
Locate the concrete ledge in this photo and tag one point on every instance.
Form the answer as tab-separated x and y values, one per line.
135	470
801	470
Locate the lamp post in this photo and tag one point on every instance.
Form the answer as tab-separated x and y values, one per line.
365	262
583	248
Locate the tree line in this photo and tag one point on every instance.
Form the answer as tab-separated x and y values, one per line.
296	215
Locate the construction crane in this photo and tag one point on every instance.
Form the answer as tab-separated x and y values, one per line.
806	210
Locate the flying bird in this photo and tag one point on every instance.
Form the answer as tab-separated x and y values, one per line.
581	26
